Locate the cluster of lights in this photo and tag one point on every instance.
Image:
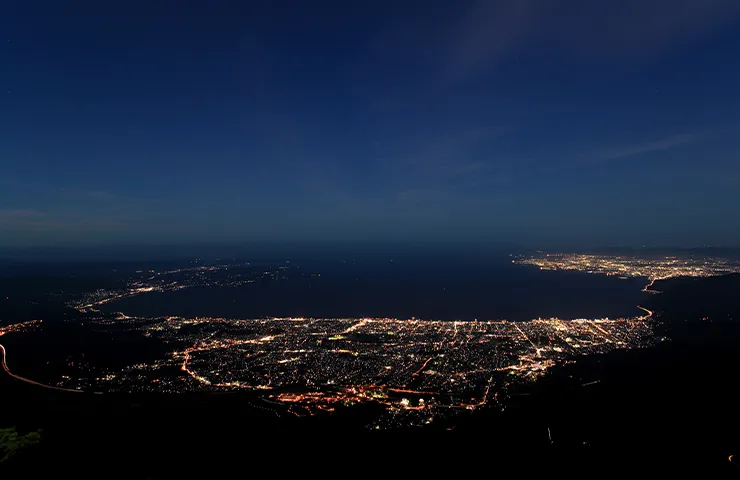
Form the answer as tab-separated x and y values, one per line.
417	369
217	276
627	266
19	327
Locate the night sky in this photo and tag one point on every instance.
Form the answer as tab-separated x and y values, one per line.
531	122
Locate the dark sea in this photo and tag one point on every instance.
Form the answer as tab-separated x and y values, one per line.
424	287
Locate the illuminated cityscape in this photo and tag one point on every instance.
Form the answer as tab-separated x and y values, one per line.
627	266
213	276
418	371
19	327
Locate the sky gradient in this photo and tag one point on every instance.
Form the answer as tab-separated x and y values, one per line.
495	122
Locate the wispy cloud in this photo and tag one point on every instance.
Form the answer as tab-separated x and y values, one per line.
610	154
640	28
22	216
104	196
450	155
490	31
100	195
451	164
29	218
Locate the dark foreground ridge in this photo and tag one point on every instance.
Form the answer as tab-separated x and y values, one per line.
667	409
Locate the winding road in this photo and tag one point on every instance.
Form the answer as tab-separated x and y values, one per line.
23	379
649	313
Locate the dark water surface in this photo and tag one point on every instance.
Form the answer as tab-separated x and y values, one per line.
444	289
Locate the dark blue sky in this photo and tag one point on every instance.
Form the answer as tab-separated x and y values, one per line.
528	121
